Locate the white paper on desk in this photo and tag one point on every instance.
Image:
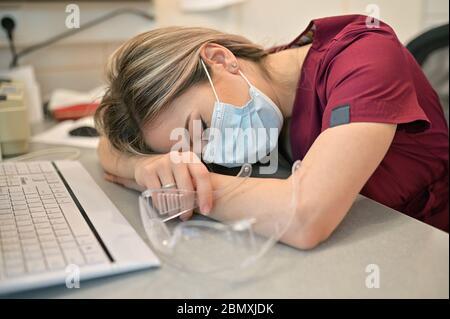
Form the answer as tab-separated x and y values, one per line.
64	97
59	134
25	74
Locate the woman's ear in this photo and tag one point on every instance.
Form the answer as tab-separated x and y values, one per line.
219	58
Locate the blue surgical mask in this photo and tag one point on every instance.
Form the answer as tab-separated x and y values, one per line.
244	134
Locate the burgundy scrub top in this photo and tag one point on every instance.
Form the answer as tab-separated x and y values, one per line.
356	73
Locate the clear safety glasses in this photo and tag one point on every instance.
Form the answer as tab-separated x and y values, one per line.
202	245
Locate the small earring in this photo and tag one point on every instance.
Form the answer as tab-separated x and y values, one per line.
234	65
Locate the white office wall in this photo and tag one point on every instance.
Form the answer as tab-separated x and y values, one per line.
273	22
78	63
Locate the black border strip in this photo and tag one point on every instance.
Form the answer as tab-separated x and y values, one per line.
84	214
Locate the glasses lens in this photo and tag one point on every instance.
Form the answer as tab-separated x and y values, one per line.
206	246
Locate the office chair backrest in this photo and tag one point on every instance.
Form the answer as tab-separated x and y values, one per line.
432	53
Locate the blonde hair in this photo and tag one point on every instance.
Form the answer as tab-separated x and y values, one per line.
152	69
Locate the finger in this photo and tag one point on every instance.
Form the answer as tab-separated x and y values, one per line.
184	181
165	176
109	177
131	183
151	180
202	180
126	182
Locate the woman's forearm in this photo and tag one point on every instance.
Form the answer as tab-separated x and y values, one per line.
268	201
117	163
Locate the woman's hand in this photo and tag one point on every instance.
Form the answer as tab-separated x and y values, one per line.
184	170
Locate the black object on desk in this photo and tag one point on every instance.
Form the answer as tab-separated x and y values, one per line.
84	131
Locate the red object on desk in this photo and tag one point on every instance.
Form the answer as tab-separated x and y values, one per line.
74	112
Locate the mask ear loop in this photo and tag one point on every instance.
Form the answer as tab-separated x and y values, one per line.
245	78
211	82
209	79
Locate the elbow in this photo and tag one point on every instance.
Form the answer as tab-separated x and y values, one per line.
309	238
311	228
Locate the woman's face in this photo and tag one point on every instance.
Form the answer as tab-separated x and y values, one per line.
195	106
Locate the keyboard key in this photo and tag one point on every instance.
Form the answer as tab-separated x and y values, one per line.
7	234
48	206
25	222
40	214
40	220
46	167
29	235
17	196
43	225
55	262
11	247
9	241
29	241
68	244
55	215
86	240
15	189
88	249
63	232
33	200
48	241
5	228
60	220
51	251
34	168
74	256
60	226
15	271
9	221
54	211
18	202
49	201
58	189
63	200
25	229
22	212
38	178
44	191
95	258
29	190
44	231
37	210
37	204
65	238
11	256
19	207
6	216
35	266
26	216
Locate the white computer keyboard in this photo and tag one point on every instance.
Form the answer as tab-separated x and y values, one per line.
41	227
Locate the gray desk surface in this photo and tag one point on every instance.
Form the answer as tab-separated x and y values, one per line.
413	260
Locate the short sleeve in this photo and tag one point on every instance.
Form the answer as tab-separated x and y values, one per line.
370	80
